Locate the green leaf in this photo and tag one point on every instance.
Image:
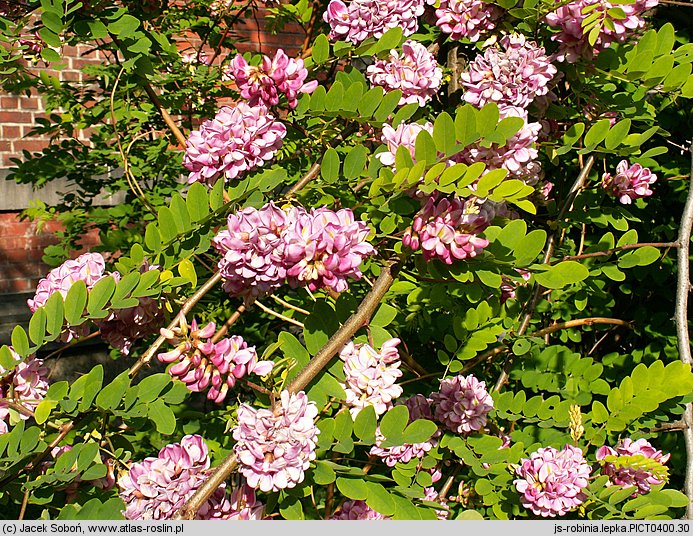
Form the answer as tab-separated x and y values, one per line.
487	119
489	181
370	101
444	134
187	270
162	416
355	162
112	394
321	49
37	326
384	316
380	499
353	488
617	134
387	105
152	386
291	509
75	301
99	295
393	423
465	125
597	133
334	100
293	349
562	274
92	385
419	431
323	473
425	148
319	326
365	425
329	167
197	201
167	224
7	360
125	26
529	247
470	515
20	341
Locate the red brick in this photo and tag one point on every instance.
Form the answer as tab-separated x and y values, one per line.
12	116
11	132
30	103
9	103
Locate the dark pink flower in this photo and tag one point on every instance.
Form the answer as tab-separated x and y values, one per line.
357	510
466	19
626	475
238	139
551	481
462	404
416	73
156	488
275	448
405	135
629	183
26	384
263	84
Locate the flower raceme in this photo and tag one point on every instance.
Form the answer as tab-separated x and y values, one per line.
357	510
265	248
157	487
462	404
468	19
360	19
631	475
448	229
371	376
416	73
551	481
239	138
26	384
265	83
275	447
202	364
629	182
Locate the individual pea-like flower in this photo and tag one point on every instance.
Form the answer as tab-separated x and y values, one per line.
416	73
275	447
430	494
238	139
157	487
371	376
466	19
513	75
324	249
551	481
88	267
213	366
253	261
265	83
448	229
572	38
26	384
625	476
360	19
629	183
357	510
462	404
419	408
508	286
404	135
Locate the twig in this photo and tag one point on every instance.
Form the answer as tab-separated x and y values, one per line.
683	287
170	123
289	305
279	315
230	322
187	307
25	502
607	252
72	344
548	253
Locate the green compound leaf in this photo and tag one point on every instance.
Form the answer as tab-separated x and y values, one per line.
562	274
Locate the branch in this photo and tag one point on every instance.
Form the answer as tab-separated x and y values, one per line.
548	253
187	307
308	373
607	252
683	287
165	115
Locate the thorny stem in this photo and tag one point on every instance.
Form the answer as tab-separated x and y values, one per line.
548	253
683	287
187	307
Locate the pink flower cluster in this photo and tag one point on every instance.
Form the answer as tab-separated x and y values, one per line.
629	183
419	408
462	404
26	384
265	83
357	510
513	76
466	18
238	139
642	479
371	376
156	488
361	19
449	229
89	267
551	481
264	248
573	43
275	447
416	73
210	365
405	134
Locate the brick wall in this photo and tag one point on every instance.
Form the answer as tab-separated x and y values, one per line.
22	242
